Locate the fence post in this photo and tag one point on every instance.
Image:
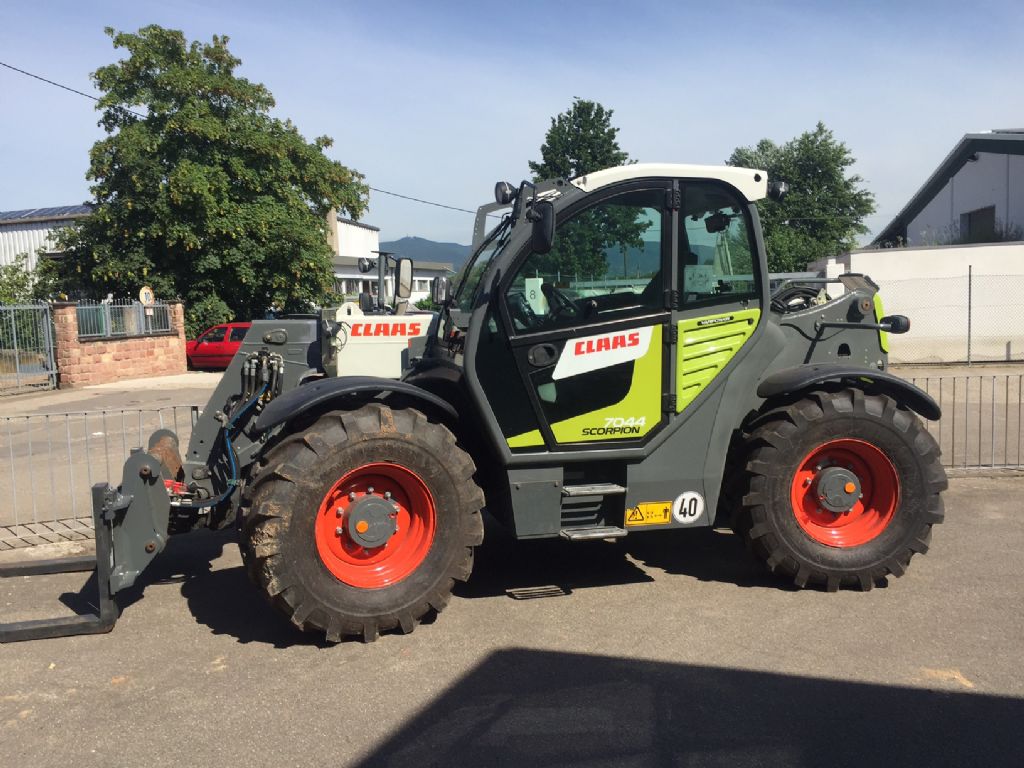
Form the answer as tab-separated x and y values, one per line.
17	356
970	287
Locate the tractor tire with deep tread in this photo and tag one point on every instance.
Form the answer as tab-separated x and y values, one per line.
900	499
291	489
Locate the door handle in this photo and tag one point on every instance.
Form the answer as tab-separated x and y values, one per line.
542	355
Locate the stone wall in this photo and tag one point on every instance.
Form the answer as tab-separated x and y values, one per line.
81	362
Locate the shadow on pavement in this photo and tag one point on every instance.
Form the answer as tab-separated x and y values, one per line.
536	708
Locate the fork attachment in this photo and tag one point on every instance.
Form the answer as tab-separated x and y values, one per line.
131	529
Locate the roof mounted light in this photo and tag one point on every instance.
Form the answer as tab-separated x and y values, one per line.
777	189
504	193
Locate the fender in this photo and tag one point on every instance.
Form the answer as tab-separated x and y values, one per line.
800	377
308	396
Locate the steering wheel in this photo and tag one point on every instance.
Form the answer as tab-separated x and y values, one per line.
521	311
559	302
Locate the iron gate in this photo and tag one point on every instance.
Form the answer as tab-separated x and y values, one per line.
26	348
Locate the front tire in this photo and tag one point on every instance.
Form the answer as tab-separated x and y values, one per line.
362	523
843	489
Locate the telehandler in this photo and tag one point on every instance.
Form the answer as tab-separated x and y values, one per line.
611	360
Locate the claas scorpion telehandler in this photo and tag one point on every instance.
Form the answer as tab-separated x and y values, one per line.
613	359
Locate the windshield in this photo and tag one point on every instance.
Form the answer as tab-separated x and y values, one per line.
473	270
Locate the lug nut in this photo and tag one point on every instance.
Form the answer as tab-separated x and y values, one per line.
339	531
339	512
387	494
370	489
351	495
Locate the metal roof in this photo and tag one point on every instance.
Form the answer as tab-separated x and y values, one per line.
359	224
44	214
1001	142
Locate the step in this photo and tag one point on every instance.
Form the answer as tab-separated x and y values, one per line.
593	489
596	532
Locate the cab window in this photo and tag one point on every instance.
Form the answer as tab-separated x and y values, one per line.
716	249
605	264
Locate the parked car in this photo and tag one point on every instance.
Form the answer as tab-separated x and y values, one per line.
215	346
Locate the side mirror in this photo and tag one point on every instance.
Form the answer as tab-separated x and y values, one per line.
896	323
366	303
403	279
542	214
364	264
440	290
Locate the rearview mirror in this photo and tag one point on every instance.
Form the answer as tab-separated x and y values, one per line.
403	279
440	290
542	214
717	222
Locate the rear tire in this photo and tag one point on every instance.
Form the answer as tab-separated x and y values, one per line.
340	585
872	441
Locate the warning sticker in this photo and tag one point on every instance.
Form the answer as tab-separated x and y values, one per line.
650	513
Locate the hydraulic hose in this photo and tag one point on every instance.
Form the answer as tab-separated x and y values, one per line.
233	481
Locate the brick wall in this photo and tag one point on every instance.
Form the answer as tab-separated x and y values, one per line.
81	362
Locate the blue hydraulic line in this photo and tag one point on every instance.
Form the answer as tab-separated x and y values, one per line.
232	483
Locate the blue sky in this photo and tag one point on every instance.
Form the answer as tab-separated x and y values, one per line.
440	100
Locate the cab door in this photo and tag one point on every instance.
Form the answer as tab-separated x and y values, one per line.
587	324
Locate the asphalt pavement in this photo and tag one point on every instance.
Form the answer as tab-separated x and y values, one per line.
664	650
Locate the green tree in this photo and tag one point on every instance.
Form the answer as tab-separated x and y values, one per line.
825	208
205	196
16	281
582	140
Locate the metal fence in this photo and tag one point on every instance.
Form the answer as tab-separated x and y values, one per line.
26	348
113	319
981	420
967	319
52	461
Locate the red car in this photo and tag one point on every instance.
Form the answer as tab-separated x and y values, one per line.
216	346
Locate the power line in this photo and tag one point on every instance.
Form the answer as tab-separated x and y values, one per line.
425	202
374	189
65	87
97	98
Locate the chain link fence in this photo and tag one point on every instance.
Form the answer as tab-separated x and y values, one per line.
968	319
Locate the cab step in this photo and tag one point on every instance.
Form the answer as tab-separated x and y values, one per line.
593	489
594	532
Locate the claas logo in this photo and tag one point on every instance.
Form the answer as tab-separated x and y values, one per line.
386	329
606	343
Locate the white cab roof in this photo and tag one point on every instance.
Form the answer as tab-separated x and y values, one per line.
752	183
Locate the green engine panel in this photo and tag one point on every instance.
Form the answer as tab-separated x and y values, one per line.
706	345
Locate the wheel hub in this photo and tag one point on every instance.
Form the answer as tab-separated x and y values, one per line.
845	492
371	521
838	489
375	525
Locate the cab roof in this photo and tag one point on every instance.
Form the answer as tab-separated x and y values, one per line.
752	183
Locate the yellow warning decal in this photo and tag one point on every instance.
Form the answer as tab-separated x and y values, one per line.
650	513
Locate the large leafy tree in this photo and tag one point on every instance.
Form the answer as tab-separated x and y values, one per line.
826	205
199	192
582	140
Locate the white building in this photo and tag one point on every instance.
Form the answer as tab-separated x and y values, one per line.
31	231
352	241
976	195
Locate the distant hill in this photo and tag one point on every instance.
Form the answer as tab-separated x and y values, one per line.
421	249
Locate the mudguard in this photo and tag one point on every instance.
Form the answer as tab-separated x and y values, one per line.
323	391
800	377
